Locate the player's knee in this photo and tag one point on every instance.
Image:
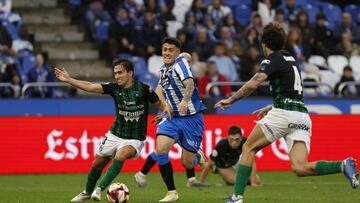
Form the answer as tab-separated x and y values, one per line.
247	149
161	150
188	164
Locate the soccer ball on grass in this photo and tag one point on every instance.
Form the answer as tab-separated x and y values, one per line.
118	193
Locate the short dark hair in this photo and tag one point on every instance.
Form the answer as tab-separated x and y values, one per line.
125	63
274	36
172	40
234	129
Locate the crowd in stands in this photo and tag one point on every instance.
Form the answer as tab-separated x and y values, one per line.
223	37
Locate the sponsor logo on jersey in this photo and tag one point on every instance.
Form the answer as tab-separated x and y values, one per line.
289	58
131	115
265	61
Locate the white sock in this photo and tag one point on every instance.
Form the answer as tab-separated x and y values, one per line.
191	179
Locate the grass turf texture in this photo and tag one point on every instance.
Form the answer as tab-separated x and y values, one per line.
278	187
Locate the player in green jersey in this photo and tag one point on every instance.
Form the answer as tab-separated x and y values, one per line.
126	137
287	117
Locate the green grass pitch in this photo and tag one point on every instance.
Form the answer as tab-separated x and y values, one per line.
278	187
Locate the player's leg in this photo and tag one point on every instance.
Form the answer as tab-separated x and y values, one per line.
140	177
122	154
93	176
301	167
256	141
163	146
227	174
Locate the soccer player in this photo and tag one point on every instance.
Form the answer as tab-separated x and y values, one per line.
126	137
225	157
140	177
187	124
287	117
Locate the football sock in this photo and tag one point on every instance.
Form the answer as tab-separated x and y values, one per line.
327	167
242	177
166	171
190	173
149	163
111	173
92	178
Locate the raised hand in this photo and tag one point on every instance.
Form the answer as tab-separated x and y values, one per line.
62	74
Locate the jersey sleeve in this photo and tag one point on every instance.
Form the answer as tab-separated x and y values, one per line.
108	88
182	68
218	151
268	67
150	94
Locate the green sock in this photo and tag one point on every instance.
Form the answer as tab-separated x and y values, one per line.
242	177
92	178
111	174
328	167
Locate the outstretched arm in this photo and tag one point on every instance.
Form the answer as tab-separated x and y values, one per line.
205	172
189	89
64	76
244	91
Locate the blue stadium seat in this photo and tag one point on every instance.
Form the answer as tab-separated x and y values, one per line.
333	13
124	56
238	2
298	3
140	66
74	3
102	31
312	11
243	14
150	80
353	10
207	2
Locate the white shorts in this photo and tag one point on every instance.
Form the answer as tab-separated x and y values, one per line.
292	125
111	144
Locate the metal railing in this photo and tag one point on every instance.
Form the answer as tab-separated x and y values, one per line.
305	83
343	85
41	84
7	85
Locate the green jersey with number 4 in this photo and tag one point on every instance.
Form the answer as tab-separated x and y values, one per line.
285	81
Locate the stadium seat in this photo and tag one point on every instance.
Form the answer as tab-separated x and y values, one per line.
140	66
150	80
172	27
124	56
154	64
355	63
337	63
243	14
238	3
353	10
318	61
312	10
74	3
180	9
102	31
333	14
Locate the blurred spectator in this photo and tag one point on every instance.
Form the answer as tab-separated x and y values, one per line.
247	67
149	36
281	19
212	28
191	24
324	39
295	47
224	63
266	11
5	6
134	10
122	33
232	47
96	14
347	34
307	31
251	39
198	67
217	10
161	7
256	23
5	42
348	90
182	36
40	73
202	45
290	11
213	75
198	10
10	74
236	29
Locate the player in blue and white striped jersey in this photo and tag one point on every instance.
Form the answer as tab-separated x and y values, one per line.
186	126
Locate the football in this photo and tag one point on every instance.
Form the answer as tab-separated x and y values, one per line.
118	193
